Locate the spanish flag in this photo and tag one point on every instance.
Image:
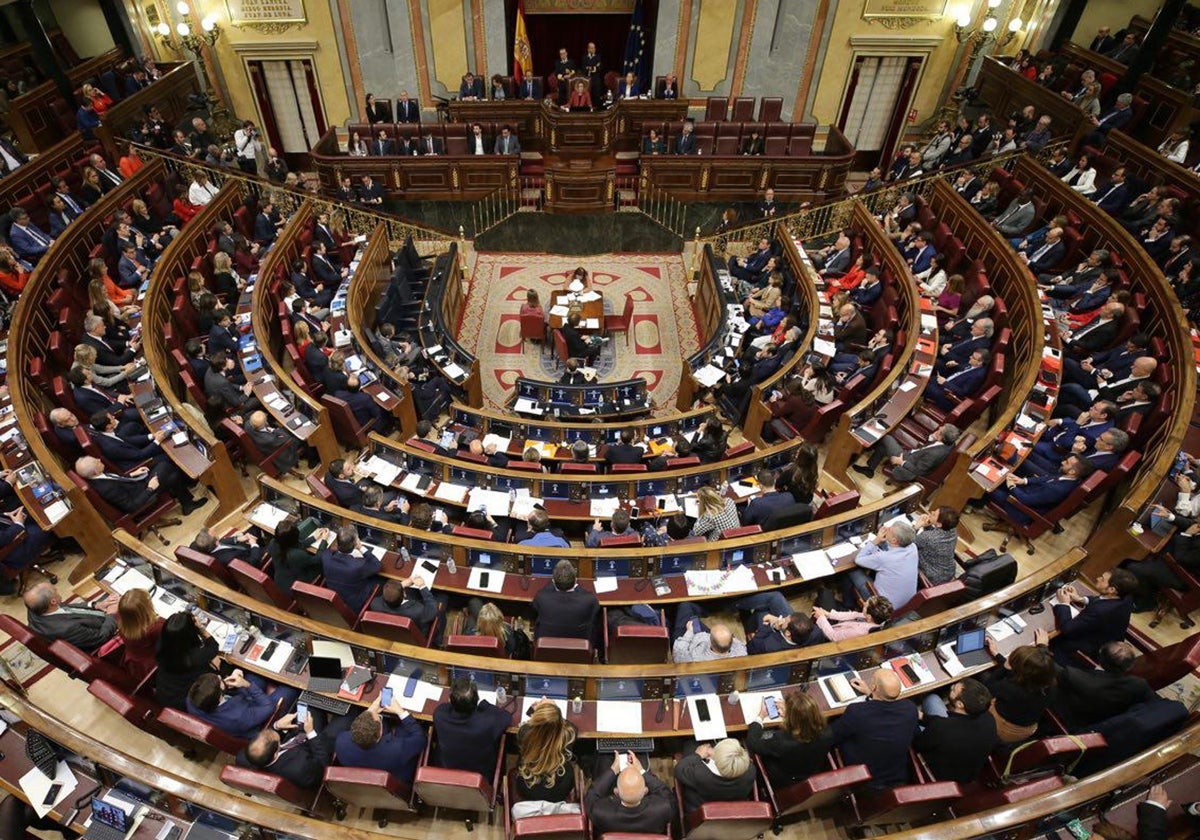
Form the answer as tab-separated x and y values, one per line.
522	54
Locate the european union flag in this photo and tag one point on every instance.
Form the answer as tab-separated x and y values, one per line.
637	58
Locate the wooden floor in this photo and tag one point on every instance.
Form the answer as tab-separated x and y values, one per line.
69	700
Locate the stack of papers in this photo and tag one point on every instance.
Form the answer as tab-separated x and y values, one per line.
502	443
528	702
605	583
559	311
717	581
495	579
36	786
422	692
709	375
447	492
495	501
131	579
619	716
453	371
604	508
811	565
412	484
528	406
268	516
381	470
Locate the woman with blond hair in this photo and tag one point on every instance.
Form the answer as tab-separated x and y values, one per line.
799	748
720	773
545	764
100	100
139	628
103	376
226	284
487	620
717	513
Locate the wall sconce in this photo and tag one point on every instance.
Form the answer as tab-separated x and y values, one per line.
978	39
191	36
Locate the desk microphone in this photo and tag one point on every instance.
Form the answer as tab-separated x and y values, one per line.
524	583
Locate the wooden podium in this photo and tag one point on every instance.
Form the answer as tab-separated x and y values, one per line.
580	183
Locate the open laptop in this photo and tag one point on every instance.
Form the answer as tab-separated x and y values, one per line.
109	821
324	674
970	650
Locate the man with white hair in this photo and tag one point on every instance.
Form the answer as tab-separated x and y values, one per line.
642	802
893	557
47	616
132	492
721	773
953	355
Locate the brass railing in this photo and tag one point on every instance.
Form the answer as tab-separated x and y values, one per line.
661	206
502	203
359	220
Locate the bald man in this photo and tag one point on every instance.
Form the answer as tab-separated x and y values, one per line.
879	731
640	803
697	643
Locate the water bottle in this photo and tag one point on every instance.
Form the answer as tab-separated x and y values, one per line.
577	706
734	698
501	695
512	496
451	566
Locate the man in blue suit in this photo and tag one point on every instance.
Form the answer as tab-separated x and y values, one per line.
1085	624
1040	493
350	570
26	238
878	732
127	450
382	145
1087	426
1117	117
771	500
60	216
748	268
91	399
1114	197
868	291
266	225
531	88
954	354
468	730
235	705
471	87
945	391
364	408
780	632
1048	254
1104	454
370	744
685	144
12	525
920	254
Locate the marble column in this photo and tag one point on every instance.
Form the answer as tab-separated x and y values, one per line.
385	49
778	50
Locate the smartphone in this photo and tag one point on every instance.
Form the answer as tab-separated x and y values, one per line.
301	713
483	579
702	711
772	708
52	794
908	671
270	650
385	696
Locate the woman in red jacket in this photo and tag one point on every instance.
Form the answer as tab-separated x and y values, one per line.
139	628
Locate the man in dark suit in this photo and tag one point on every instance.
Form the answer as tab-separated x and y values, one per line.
267	224
91	400
350	570
407	110
60	217
324	271
468	730
408	598
530	88
579	346
223	336
624	452
108	352
1114	197
878	733
1086	623
216	383
953	355
1126	51
369	192
27	239
947	390
919	254
956	736
670	87
771	501
1099	369
1048	255
471	88
362	406
430	145
630	800
234	705
748	268
1041	493
129	493
1089	425
911	465
339	478
685	143
967	184
269	438
62	189
239	545
869	291
834	261
370	744
1083	696
1103	42
50	619
126	450
1099	334
346	190
301	759
563	609
776	633
382	144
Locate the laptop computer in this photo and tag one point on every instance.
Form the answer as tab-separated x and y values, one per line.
970	650
109	822
324	674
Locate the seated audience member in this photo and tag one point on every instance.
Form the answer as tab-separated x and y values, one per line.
468	730
350	570
372	744
409	598
629	800
1085	623
777	633
879	732
625	451
373	504
131	493
487	620
1040	493
715	773
1084	696
290	561
49	618
545	763
139	629
564	610
1064	433
958	734
1021	687
233	705
770	502
339	478
716	513
540	533
185	651
28	240
694	642
362	405
911	465
301	759
237	546
270	438
836	625
619	527
710	445
937	539
893	557
221	369
799	748
428	434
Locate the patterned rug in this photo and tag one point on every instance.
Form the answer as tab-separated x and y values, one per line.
664	328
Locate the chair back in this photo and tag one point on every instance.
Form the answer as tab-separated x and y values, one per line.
317	487
267	787
207	565
395	628
367	788
636	644
476	645
532	326
322	604
560	649
198	730
84	666
137	710
907	803
259	585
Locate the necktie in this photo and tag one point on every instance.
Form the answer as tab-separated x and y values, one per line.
1040	251
37	237
70	202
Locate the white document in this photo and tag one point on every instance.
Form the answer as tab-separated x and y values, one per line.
691	507
524	506
166	604
342	651
606	583
752	701
56	511
1000	631
619	716
447	492
589	296
950	663
668	504
740	579
908	385
495	582
709	375
604	508
591	323
838	680
381	470
712	729
376	551
427	568
454	371
35	786
560	311
813	564
528	406
132	579
279	657
743	490
421	693
268	516
824	348
496	501
837	552
502	443
527	702
411	483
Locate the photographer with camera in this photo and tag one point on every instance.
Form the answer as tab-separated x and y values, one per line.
249	147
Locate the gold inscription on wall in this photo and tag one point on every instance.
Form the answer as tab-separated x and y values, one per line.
903	12
252	12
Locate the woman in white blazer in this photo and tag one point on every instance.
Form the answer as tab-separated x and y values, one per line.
1082	178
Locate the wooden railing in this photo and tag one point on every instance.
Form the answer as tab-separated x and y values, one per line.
169	94
33	116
